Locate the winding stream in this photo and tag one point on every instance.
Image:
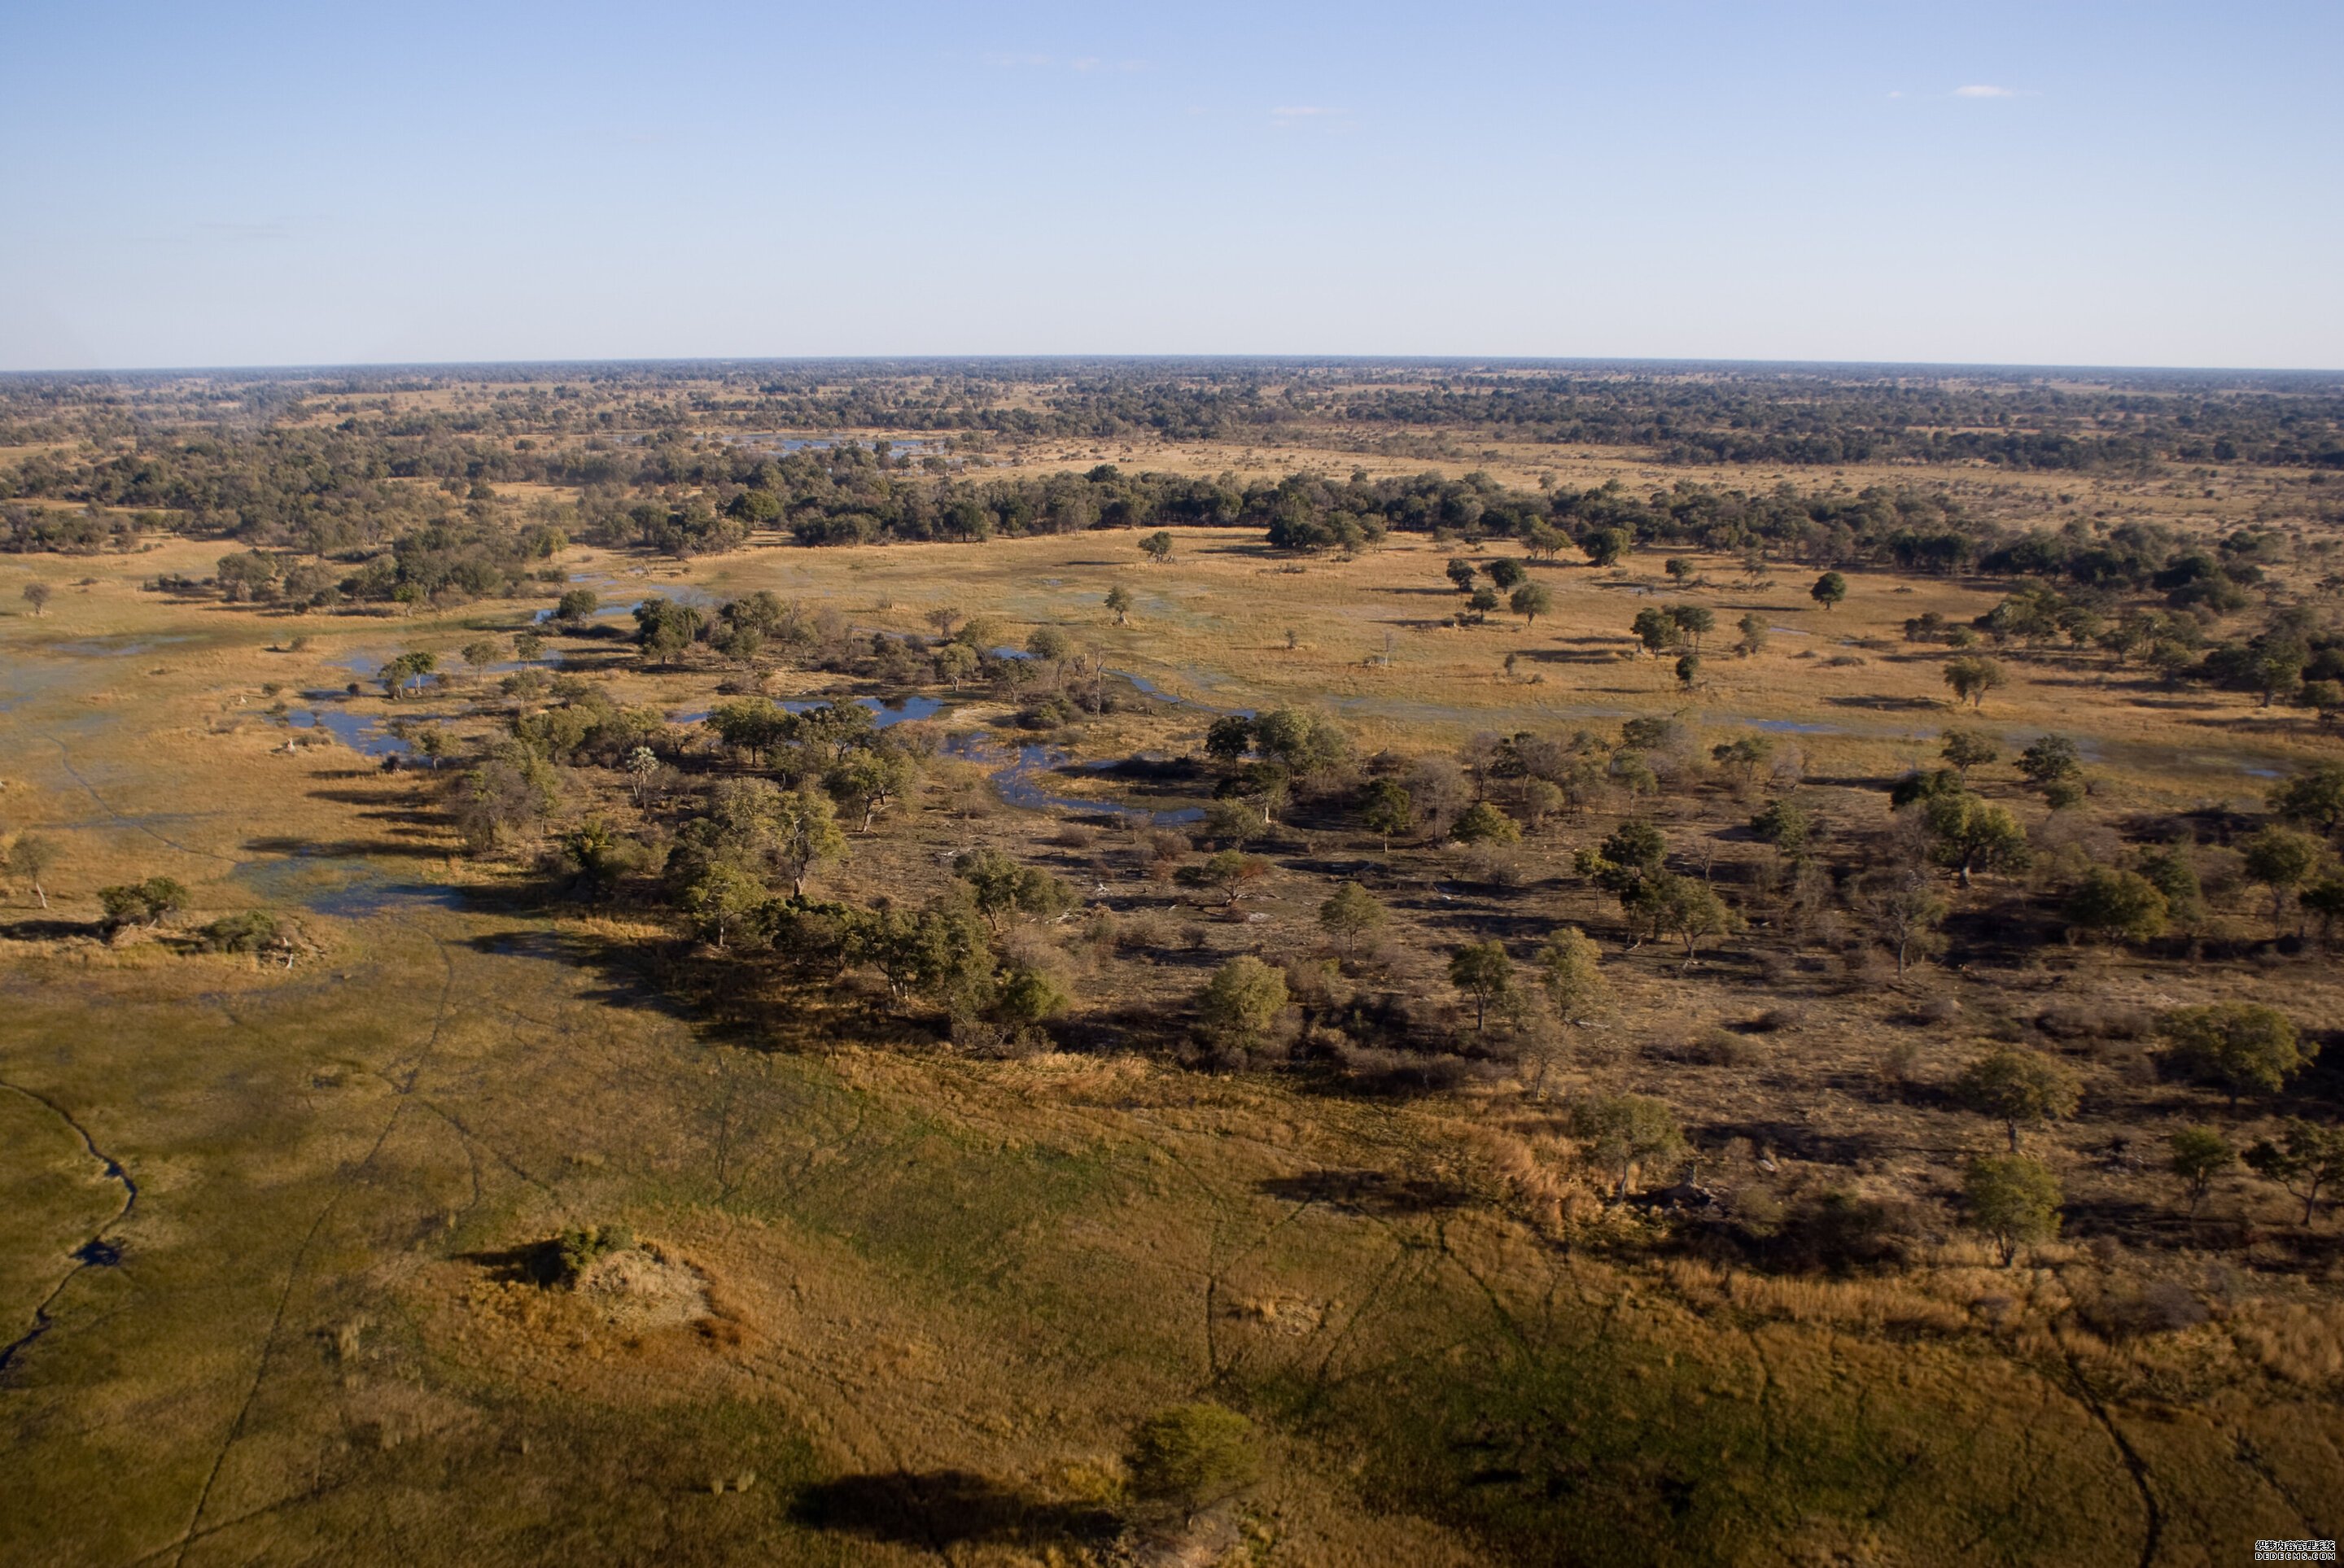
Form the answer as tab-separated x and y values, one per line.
98	1252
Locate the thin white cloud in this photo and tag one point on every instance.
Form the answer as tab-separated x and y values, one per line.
1981	91
1302	112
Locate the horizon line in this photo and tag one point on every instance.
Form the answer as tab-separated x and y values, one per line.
443	367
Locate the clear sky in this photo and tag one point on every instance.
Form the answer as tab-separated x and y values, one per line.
2119	184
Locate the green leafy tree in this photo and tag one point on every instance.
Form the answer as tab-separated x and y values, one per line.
1688	671
872	779
1696	621
1530	601
147	904
1604	546
2282	860
1829	590
956	663
1242	1004
1570	968
1003	886
1118	603
2050	761
36	597
806	835
1968	835
2199	1155
1389	811
30	858
2240	1047
2018	1088
1905	911
724	901
1967	748
1624	1133
1482	823
2313	798
1304	743
2123	905
1972	677
1483	973
1656	629
1754	628
1461	572
406	669
1157	547
2305	1158
2014	1201
1350	917
1192	1455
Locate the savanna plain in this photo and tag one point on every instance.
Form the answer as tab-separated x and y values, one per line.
1151	962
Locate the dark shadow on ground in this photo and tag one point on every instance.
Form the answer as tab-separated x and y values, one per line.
940	1509
1377	1192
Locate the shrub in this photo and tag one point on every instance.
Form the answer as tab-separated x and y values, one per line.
2122	905
2237	1046
1242	1004
576	1249
2018	1086
1193	1454
2013	1200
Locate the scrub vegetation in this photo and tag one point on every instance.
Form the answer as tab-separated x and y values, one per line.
1156	962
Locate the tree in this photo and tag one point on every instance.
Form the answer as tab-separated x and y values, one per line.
1690	910
721	900
1972	677
2052	761
36	595
1967	748
871	778
1656	629
1302	742
1389	811
643	767
1604	546
1967	835
408	667
576	607
956	662
1829	590
2282	860
1688	671
2013	1200
1697	621
1530	601
1157	547
806	835
2237	1046
29	860
1350	916
1753	629
1904	910
1119	602
1242	1004
147	903
2015	1087
2198	1155
1482	823
1481	602
1229	737
2124	905
2306	1158
1192	1455
1002	885
1625	1133
1569	968
1461	572
2313	799
482	652
1483	971
1506	573
1049	645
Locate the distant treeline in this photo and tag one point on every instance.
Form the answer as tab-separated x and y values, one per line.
1694	415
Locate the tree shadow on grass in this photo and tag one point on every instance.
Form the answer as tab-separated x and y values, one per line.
940	1509
1377	1192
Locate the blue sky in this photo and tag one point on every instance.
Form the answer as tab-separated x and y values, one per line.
2135	184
